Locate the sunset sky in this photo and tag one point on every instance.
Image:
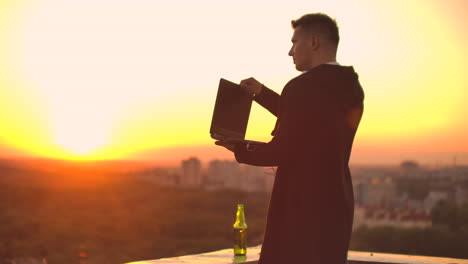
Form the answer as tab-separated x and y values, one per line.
108	79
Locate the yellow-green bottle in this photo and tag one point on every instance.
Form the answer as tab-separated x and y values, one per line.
240	230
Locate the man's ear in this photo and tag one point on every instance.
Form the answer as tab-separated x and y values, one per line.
314	42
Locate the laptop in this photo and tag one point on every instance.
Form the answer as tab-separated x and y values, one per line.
231	113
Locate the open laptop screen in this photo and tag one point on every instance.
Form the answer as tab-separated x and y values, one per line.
231	111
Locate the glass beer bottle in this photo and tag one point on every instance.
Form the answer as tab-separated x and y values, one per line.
240	230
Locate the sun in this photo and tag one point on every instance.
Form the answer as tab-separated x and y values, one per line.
80	136
80	145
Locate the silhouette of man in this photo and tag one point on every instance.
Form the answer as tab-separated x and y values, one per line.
311	208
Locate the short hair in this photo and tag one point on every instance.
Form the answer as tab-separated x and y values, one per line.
321	24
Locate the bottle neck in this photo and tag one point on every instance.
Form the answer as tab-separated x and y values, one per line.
240	218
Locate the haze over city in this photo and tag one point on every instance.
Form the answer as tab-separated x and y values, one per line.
87	80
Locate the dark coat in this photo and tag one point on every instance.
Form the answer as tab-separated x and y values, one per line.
311	208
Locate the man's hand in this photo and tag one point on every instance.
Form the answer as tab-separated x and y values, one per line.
229	145
251	86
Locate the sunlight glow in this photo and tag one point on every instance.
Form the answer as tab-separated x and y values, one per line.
80	138
97	79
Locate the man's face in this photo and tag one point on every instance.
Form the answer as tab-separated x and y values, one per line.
302	49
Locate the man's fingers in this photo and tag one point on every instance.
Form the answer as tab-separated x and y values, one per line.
248	81
251	85
222	143
229	146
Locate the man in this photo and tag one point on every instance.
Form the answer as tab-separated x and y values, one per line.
311	208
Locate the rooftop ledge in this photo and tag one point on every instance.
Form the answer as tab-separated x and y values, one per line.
225	256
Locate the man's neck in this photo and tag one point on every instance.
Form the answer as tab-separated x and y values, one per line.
322	59
332	62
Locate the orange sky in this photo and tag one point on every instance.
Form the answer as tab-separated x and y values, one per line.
102	79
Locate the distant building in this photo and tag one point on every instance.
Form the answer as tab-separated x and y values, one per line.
256	179
229	174
372	216
432	198
378	201
223	174
461	195
191	173
375	191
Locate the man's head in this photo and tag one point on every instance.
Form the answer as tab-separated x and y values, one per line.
315	41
